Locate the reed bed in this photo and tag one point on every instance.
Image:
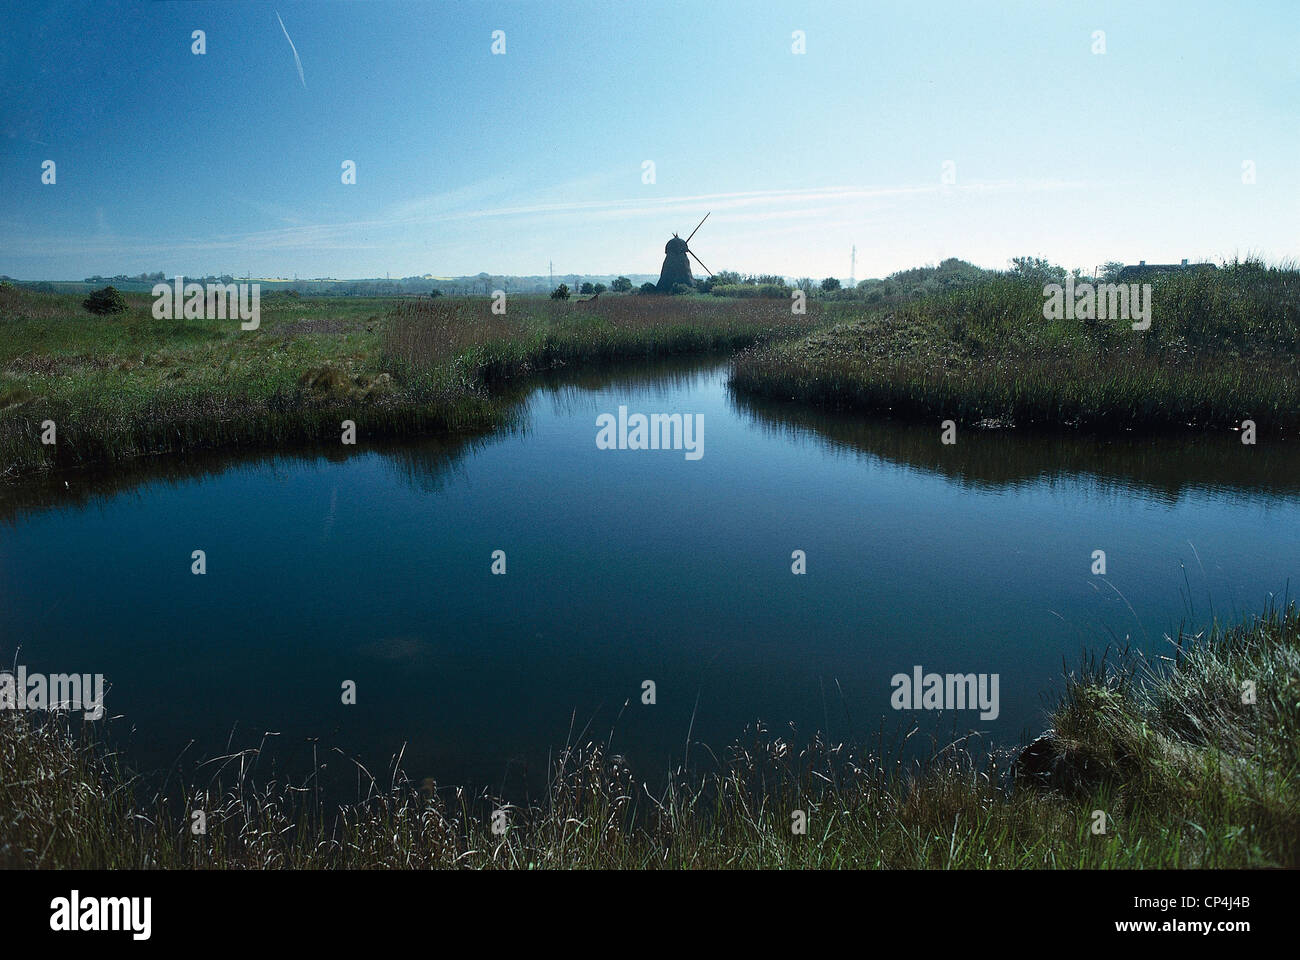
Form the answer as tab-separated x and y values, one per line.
129	385
1223	347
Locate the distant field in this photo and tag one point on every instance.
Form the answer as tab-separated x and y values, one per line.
129	385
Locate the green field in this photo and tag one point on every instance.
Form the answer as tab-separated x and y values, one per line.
127	385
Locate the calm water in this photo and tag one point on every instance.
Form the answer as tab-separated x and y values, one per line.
623	566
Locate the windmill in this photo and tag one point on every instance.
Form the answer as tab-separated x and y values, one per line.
676	268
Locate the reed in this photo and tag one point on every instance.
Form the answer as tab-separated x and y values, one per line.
1223	347
129	385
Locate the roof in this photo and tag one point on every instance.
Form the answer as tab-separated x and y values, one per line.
1134	270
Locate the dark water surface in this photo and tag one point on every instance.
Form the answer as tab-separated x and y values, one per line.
623	566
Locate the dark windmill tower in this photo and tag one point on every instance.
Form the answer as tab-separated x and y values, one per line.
676	268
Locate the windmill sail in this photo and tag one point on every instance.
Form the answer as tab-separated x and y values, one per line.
697	228
699	261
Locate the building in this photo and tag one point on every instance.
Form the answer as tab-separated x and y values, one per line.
1142	269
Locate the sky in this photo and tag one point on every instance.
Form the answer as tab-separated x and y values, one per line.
913	131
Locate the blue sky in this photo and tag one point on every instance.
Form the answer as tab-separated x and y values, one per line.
466	161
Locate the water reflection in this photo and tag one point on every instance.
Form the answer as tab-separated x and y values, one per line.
1165	468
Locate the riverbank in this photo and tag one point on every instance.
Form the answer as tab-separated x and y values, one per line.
1223	347
122	386
1193	764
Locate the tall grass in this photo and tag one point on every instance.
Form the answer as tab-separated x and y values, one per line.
128	386
424	335
1223	347
1187	775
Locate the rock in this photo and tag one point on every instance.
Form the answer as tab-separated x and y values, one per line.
1038	759
1055	763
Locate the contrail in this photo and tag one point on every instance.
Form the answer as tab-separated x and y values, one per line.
296	61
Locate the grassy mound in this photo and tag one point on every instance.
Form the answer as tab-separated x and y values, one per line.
1223	347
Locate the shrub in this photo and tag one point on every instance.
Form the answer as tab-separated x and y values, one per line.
108	300
561	292
768	290
648	287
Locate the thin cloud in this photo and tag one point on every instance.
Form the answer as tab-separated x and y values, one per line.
297	62
782	211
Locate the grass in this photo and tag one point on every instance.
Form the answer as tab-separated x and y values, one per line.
128	385
1187	775
1223	347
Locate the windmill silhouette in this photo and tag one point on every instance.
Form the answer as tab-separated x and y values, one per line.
676	268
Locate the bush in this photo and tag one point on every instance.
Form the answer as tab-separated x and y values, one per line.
648	287
587	288
600	288
769	290
108	300
561	292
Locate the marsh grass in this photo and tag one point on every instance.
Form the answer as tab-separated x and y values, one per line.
128	385
542	334
1224	346
1187	775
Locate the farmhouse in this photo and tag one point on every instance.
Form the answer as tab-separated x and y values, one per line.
1143	269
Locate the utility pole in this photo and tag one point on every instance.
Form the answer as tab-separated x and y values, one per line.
551	265
853	266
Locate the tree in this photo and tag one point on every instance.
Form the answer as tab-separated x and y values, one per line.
648	287
586	288
622	285
829	284
1110	271
435	292
1037	269
600	288
561	292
